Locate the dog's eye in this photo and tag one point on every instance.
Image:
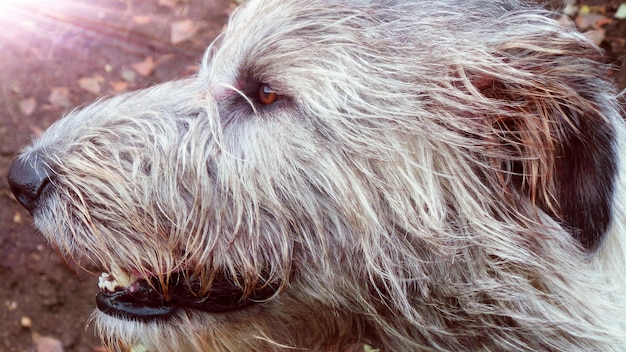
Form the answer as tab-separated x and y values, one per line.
267	95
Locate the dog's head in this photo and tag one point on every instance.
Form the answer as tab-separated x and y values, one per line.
333	161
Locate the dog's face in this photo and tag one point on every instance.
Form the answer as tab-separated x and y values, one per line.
331	161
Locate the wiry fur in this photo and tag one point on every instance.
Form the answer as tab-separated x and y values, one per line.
439	175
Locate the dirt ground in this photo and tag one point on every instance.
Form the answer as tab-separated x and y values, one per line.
58	55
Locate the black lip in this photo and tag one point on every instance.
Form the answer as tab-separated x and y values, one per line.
122	304
146	303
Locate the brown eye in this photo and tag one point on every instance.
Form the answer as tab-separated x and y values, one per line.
267	95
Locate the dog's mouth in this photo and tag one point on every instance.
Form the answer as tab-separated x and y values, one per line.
145	299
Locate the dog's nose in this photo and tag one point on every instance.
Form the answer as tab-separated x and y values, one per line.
28	178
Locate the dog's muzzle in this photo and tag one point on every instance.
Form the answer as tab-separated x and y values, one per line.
140	298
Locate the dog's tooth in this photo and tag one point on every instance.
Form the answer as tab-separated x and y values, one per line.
102	281
109	286
120	277
107	282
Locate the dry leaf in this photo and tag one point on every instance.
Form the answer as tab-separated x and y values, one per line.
589	20
36	130
167	3
59	96
182	30
28	106
90	84
119	86
232	7
128	75
570	9
141	19
597	35
144	67
26	322
47	344
566	21
17	218
191	70
621	12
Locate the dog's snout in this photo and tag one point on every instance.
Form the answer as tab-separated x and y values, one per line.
28	178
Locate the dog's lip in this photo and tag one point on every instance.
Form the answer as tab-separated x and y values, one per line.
143	300
139	301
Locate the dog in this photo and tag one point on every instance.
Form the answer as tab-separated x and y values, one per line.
432	175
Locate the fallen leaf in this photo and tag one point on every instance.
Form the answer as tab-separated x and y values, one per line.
167	3
141	19
585	9
90	84
17	218
36	130
128	75
570	10
28	106
36	257
566	21
589	20
596	35
164	58
47	344
621	12
182	30
11	305
604	21
144	67
119	86
59	96
191	70
26	322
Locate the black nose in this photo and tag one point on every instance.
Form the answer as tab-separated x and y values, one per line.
28	178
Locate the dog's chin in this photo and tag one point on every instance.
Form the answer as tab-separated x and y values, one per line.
149	299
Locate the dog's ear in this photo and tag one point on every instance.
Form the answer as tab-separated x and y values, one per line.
555	136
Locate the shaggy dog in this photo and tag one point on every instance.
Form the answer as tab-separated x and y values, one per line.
413	175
